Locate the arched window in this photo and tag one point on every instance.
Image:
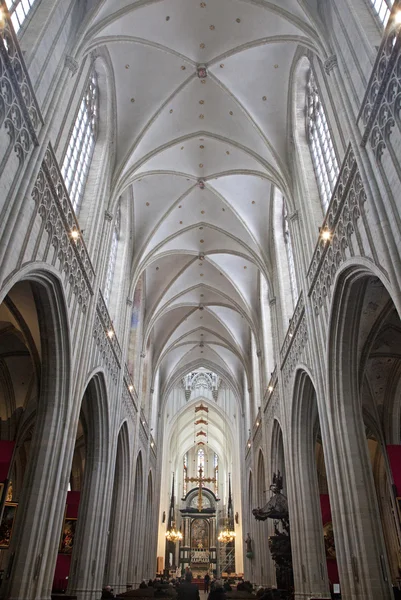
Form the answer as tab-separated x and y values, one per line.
290	254
201	458
185	474
321	145
383	9
19	10
79	153
216	473
113	254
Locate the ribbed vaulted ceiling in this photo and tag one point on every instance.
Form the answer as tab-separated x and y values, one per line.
202	152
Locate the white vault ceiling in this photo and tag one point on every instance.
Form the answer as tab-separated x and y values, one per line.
202	155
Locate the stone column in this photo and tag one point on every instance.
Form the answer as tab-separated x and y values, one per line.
307	542
33	550
360	549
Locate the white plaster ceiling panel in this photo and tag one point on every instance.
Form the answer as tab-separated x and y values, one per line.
199	335
160	273
171	360
208	275
206	207
187	331
220	115
202	157
108	8
250	198
242	273
192	298
183	25
236	324
152	197
205	354
137	101
213	240
166	324
233	361
205	319
263	87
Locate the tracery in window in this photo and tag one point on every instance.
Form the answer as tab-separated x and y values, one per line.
19	10
321	145
290	254
201	459
383	9
113	255
79	153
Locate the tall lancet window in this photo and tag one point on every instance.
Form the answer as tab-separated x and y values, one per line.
201	459
113	254
19	10
185	474
321	145
290	254
383	9
216	473
82	141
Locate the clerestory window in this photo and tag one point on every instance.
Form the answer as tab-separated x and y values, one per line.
113	255
201	458
77	160
290	254
321	146
383	9
19	10
185	473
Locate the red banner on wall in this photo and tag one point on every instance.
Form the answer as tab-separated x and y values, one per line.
6	454
394	457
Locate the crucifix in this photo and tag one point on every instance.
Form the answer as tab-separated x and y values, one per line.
200	481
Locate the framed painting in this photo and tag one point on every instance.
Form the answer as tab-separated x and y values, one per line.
67	536
7	523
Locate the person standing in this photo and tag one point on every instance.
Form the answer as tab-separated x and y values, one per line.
206	582
188	590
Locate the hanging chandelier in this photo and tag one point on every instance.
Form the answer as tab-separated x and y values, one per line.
226	536
173	534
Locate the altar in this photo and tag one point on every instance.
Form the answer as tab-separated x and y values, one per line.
198	548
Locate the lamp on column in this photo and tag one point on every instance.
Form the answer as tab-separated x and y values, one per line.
228	534
172	534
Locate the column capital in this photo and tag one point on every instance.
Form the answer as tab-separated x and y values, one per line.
330	63
71	64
